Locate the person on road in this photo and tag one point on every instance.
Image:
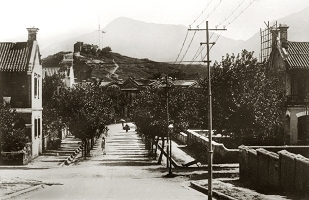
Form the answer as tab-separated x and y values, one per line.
103	144
127	127
105	130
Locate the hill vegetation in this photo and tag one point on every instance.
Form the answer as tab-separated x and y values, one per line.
108	65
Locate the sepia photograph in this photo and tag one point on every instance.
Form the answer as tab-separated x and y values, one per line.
154	100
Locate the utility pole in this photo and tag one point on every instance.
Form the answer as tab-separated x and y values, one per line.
210	151
169	141
167	123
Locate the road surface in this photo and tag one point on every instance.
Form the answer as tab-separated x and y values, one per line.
123	173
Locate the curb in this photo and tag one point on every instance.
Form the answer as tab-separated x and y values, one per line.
71	158
9	196
214	193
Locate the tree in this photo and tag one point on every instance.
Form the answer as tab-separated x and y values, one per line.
246	102
117	97
185	106
106	50
13	138
84	109
52	122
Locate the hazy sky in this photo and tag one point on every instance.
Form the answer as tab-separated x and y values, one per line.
59	20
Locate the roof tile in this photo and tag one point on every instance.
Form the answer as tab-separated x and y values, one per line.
14	56
298	55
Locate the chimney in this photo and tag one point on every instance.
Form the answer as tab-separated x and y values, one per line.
283	35
32	34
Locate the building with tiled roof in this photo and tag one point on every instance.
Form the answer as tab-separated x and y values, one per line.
290	60
21	84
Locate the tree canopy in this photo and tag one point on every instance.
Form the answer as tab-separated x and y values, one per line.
247	103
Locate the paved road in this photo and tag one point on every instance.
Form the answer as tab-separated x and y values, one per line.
124	173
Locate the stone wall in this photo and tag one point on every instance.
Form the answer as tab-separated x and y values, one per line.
220	153
181	137
283	171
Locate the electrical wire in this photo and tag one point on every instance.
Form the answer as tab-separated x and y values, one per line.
182	46
226	18
188	46
200	50
201	13
198	26
211	13
230	23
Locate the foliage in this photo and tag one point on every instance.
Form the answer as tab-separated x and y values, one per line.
117	97
54	60
246	102
149	110
12	139
138	68
106	50
52	122
84	108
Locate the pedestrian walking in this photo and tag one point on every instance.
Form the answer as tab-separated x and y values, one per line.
127	127
103	144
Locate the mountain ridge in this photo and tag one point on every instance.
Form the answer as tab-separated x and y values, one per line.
162	42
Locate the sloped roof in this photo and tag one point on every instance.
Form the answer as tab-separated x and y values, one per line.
15	56
184	82
177	83
49	71
298	55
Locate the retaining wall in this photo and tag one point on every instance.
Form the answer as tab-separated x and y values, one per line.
285	172
181	137
220	153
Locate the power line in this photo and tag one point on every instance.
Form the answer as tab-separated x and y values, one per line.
197	26
226	18
199	51
188	46
241	12
230	23
201	13
210	13
182	46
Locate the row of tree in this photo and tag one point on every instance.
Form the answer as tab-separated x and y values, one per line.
247	106
85	109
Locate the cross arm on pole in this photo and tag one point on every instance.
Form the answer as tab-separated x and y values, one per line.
214	29
213	43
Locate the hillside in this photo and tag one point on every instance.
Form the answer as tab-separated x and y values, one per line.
114	66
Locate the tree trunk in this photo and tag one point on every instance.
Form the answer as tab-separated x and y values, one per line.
156	142
161	154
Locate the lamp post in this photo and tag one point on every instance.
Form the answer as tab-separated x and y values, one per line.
169	127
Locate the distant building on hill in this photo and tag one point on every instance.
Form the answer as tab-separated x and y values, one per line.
81	47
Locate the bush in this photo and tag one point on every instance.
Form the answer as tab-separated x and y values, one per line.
14	140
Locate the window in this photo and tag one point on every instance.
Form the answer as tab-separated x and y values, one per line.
35	128
35	87
38	88
39	127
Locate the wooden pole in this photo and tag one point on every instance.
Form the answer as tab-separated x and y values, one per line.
210	157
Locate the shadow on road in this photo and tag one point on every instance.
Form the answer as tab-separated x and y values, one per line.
112	162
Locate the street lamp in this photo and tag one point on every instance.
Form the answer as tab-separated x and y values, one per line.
167	87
